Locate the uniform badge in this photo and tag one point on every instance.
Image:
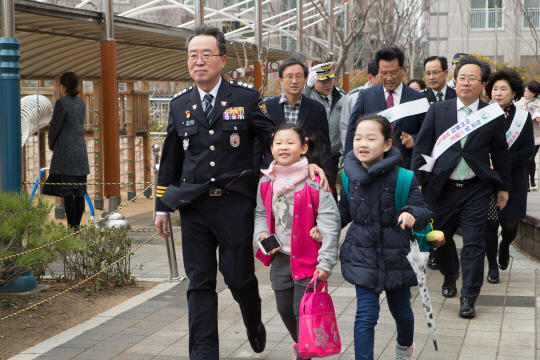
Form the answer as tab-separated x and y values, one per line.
235	140
186	144
262	106
194	106
188	114
223	103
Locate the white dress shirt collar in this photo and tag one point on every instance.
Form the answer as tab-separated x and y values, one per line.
397	91
473	106
213	92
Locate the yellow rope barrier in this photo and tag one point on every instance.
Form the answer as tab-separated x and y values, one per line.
76	285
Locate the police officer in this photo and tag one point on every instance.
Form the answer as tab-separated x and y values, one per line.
455	61
320	86
436	71
206	171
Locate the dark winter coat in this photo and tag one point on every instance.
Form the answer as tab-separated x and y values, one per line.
373	255
66	137
520	151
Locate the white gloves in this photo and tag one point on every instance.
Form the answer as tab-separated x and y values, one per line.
311	79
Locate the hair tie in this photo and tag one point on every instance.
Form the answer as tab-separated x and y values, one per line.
307	139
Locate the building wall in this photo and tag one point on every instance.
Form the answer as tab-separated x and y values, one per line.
451	32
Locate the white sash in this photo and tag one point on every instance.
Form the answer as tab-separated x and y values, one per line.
451	136
517	125
406	109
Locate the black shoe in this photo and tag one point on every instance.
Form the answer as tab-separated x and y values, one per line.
257	338
504	256
493	279
467	307
432	263
449	289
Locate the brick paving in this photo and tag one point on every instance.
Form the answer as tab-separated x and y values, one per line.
505	326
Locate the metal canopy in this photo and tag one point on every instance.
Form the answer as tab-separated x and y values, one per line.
55	39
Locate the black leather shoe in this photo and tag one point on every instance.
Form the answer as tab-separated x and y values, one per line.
257	338
467	307
504	257
493	279
449	289
432	263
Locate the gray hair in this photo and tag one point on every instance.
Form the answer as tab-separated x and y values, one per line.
210	31
485	69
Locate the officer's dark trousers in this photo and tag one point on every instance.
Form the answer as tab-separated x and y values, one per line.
224	223
467	207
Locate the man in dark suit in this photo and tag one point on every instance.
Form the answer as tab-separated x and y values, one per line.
293	107
206	171
461	182
390	92
436	71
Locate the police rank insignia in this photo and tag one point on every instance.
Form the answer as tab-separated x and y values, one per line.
186	144
223	103
235	140
234	113
188	114
194	106
262	106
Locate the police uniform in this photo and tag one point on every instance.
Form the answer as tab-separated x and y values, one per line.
206	171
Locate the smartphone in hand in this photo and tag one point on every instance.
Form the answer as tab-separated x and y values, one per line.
269	244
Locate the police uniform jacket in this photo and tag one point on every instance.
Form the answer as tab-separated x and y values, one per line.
333	113
488	141
198	157
432	98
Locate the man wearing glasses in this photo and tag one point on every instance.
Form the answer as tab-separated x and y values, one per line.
436	71
461	180
389	93
293	107
206	172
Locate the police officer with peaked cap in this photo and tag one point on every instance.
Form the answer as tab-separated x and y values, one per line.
206	171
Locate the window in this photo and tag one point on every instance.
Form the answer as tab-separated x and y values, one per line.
531	14
227	3
288	44
486	14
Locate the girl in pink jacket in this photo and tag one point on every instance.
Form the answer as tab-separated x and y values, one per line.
302	216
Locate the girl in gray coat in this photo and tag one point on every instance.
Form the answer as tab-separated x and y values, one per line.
69	163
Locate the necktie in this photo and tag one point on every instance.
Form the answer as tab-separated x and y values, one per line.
389	104
208	111
439	96
462	170
327	100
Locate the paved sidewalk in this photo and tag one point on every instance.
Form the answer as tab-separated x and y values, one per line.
505	326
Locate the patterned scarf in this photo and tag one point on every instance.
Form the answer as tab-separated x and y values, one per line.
286	177
507	111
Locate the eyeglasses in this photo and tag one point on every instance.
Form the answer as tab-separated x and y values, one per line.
463	79
434	73
205	57
393	74
290	78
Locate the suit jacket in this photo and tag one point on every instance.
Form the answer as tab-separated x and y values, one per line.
488	139
372	100
66	137
450	94
311	118
198	156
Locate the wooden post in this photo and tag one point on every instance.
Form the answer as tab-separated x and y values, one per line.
147	156
131	134
98	145
109	97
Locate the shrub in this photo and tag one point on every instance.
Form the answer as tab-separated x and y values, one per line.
25	225
94	250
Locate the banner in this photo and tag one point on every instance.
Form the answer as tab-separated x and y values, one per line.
465	127
406	109
517	126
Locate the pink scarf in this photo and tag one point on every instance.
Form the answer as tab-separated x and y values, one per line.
286	177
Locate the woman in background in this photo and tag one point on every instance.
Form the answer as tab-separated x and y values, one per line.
417	84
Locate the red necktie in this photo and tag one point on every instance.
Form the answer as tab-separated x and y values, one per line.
390	103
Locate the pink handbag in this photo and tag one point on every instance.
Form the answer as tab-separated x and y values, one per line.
318	332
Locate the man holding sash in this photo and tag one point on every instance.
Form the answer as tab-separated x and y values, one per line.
453	150
404	107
